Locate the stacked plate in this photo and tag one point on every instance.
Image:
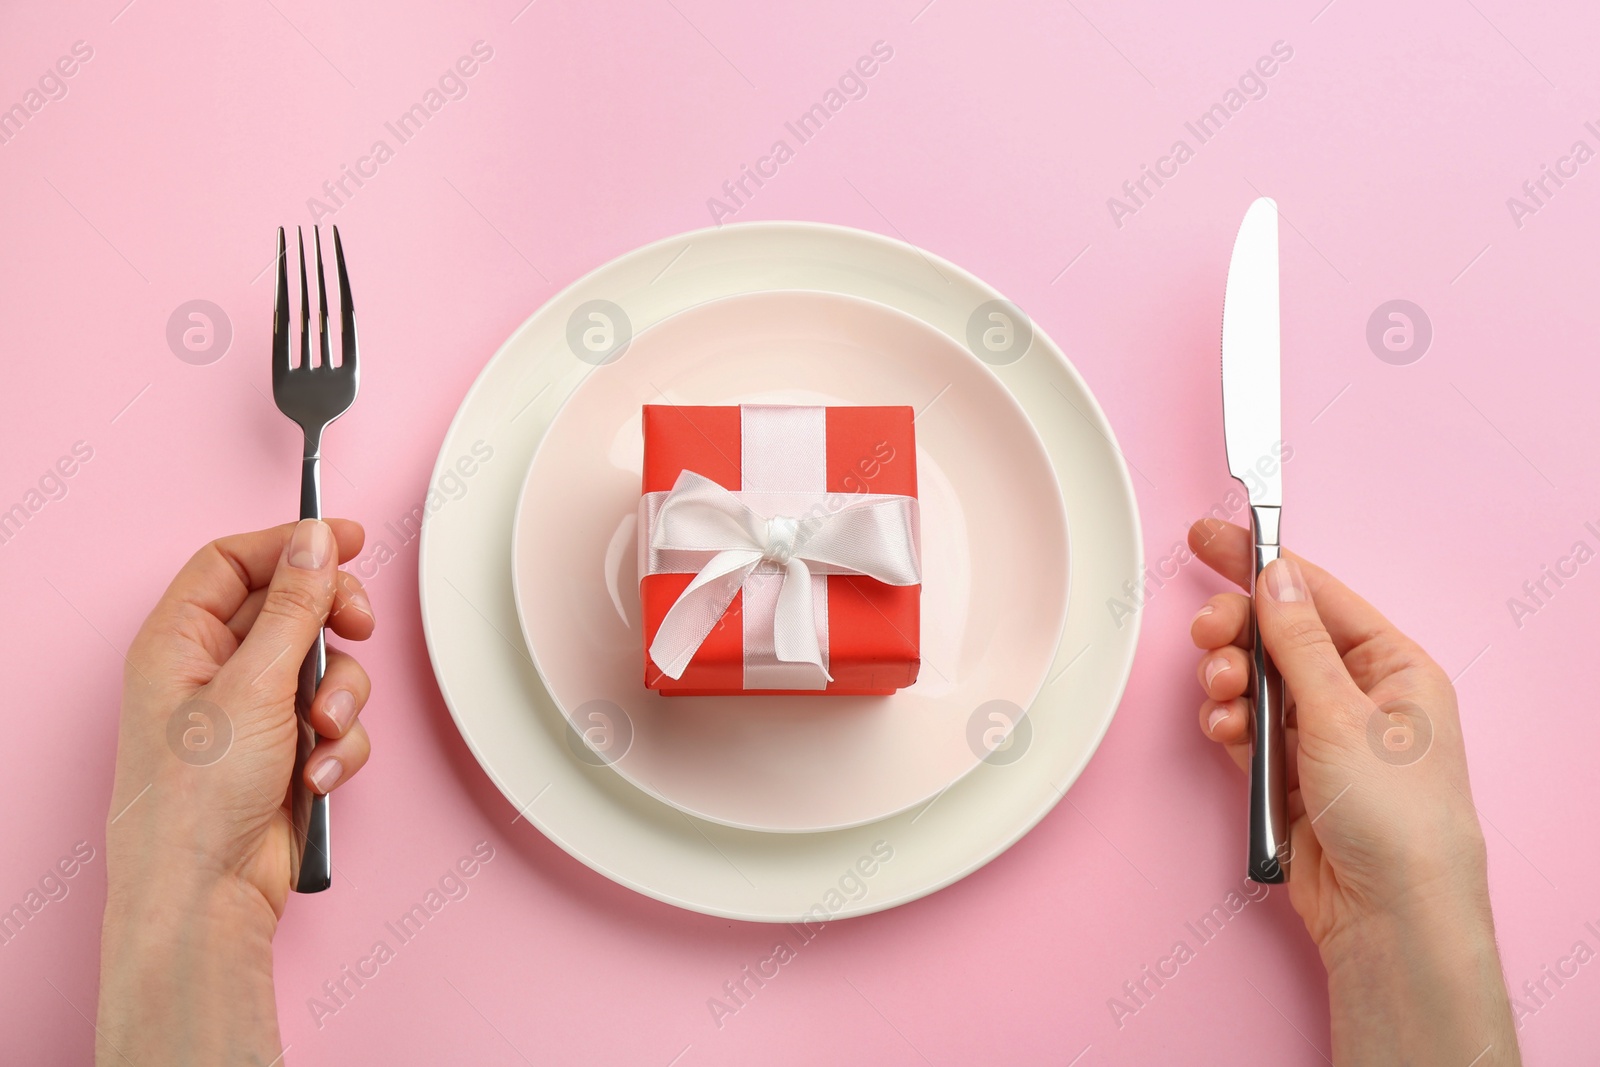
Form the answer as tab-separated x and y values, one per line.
781	808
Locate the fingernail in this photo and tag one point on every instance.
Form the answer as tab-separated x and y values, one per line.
341	708
326	774
1216	716
356	597
1214	668
1202	613
1285	583
311	545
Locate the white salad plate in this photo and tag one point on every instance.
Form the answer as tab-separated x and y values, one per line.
994	567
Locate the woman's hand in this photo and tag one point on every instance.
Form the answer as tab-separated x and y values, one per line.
198	843
1387	863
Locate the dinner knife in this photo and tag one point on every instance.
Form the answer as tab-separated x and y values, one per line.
1253	427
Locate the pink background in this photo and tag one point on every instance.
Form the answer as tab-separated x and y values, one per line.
1391	140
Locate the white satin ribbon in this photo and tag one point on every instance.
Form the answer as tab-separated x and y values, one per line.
870	535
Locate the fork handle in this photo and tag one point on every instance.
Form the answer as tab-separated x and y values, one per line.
1268	793
310	809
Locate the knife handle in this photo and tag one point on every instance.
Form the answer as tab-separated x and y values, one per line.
1269	843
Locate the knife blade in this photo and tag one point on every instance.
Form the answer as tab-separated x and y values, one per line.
1253	428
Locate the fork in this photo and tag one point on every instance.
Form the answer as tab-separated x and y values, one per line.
313	395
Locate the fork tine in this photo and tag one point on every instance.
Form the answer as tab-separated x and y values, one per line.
280	315
347	311
322	305
305	307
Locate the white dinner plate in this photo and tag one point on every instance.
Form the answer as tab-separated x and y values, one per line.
994	566
526	746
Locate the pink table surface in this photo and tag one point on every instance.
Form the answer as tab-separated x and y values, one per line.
995	135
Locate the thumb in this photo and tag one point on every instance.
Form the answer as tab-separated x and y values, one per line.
296	607
1289	625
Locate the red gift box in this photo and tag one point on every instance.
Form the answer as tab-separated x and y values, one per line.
844	457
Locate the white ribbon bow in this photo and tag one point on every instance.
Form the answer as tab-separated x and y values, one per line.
870	535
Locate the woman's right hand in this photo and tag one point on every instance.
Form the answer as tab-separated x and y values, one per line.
1387	863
